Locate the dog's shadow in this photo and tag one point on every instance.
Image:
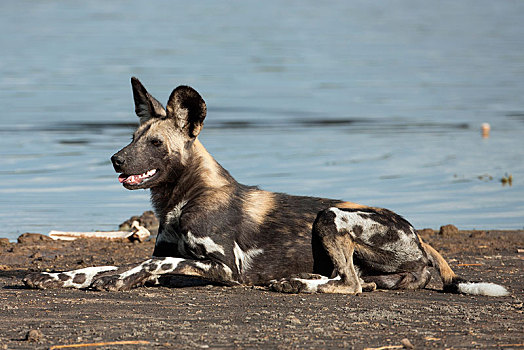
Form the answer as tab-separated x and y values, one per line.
182	281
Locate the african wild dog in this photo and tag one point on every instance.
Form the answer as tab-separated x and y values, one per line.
213	227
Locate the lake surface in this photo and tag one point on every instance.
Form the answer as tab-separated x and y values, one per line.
376	103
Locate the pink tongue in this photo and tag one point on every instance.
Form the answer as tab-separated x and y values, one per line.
132	180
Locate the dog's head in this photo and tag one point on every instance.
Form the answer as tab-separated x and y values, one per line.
161	145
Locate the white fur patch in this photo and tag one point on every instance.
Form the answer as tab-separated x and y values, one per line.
158	262
201	265
489	289
209	245
243	259
89	272
312	285
353	218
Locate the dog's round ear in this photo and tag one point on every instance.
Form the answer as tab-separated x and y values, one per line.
146	106
188	109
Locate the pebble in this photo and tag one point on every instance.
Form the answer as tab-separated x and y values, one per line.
407	344
34	335
293	319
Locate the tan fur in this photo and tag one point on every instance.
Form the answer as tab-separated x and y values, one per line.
257	205
190	271
445	272
341	248
165	130
142	126
350	205
209	169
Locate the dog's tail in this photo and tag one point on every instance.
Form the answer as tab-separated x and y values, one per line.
454	284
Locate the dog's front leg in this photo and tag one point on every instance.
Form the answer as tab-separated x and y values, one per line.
81	278
151	269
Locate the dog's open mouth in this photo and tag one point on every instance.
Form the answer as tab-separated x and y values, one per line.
136	179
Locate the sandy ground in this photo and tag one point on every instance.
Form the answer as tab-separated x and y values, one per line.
205	316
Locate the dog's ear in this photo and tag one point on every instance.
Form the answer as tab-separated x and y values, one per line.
146	106
188	109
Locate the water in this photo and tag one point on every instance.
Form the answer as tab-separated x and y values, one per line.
376	103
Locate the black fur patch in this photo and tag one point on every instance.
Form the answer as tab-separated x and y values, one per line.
64	277
412	265
381	238
382	216
166	267
79	278
357	229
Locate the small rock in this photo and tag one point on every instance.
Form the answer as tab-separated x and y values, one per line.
407	344
293	319
34	335
4	242
448	231
28	238
147	219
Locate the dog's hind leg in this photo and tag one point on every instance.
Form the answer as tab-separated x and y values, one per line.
333	254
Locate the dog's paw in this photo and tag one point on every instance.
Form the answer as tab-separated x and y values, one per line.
45	280
369	287
123	281
292	285
110	283
338	287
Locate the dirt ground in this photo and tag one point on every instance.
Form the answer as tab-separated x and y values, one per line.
206	316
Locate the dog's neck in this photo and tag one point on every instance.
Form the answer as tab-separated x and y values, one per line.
202	174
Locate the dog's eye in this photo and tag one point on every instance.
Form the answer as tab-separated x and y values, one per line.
156	142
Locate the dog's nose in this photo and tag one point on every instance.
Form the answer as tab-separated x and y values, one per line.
117	161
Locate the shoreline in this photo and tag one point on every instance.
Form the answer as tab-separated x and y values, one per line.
202	316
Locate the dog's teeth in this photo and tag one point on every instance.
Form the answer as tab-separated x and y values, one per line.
136	179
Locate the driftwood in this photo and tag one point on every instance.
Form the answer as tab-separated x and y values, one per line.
138	233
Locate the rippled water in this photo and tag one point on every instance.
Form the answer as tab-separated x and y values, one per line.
377	103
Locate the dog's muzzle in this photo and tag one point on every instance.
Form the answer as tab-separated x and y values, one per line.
118	162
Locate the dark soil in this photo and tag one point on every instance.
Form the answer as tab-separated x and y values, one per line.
202	316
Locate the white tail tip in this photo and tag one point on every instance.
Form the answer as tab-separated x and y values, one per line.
489	289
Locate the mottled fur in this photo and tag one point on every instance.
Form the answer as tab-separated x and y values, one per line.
213	227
